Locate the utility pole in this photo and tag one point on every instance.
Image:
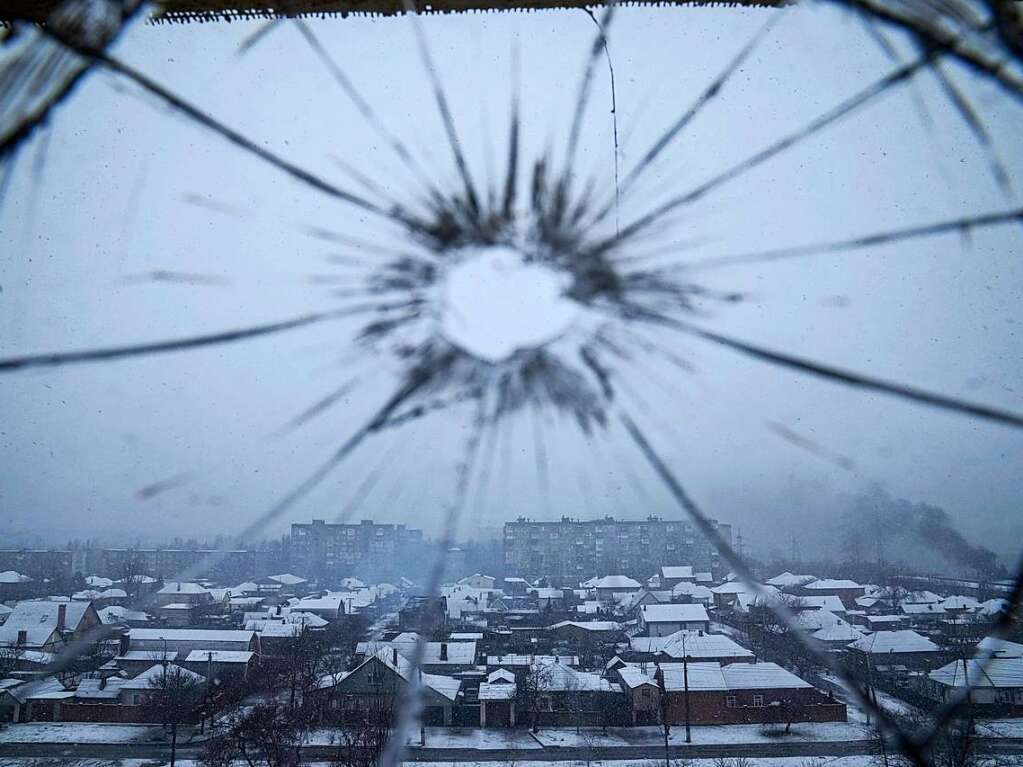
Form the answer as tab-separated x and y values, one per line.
685	687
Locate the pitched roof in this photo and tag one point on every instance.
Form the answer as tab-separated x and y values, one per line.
219	656
512	659
38	618
894	641
691	613
151	676
445	686
181	587
99	689
829	602
588	625
761	676
617	582
459	653
832	583
1000	648
287	579
694	590
557	677
677	571
191	635
697	645
838	632
787	579
923	609
706	676
997	672
497	691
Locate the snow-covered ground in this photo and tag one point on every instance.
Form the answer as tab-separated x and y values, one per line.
732	733
80	732
454	737
1001	728
888	703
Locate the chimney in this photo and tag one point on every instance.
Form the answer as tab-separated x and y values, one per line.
394	656
124	644
103	683
22	637
61	617
443	650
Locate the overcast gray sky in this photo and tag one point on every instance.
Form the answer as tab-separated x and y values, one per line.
77	443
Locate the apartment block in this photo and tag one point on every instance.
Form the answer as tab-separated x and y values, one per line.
571	550
320	550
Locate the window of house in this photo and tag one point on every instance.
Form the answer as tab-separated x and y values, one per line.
730	702
758	701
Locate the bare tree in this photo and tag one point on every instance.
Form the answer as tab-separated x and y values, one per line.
297	668
362	733
267	734
532	692
173	698
133	576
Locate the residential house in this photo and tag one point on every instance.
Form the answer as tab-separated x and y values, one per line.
15	585
478	581
497	699
692	645
787	581
739	693
37	700
436	658
846	590
662	620
380	680
47	626
610	585
585	631
884	650
996	683
672	575
140	647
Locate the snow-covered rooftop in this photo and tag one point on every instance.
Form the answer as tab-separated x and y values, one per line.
191	635
617	582
219	656
598	626
181	587
152	677
997	672
789	580
677	571
906	640
697	645
691	613
831	583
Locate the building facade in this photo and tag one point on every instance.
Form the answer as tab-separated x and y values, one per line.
38	564
228	566
571	550
319	550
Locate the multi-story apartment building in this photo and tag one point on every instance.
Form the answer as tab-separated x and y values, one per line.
230	566
320	550
38	563
572	550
